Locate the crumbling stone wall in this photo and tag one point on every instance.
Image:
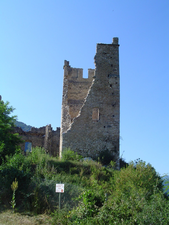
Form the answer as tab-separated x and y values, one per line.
42	137
91	108
75	89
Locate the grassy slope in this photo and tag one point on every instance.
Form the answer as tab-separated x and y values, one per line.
132	187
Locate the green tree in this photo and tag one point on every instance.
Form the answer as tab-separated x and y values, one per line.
9	141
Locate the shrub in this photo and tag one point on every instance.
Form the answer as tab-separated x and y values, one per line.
123	163
140	176
38	155
42	197
7	175
155	211
89	205
105	157
133	189
60	217
9	141
70	155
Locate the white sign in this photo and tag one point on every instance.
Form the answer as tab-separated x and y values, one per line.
60	188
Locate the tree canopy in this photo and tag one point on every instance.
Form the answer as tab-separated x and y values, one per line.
9	141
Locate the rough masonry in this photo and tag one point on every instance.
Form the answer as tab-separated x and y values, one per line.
91	107
44	137
90	110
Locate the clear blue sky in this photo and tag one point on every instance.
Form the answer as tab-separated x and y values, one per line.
36	36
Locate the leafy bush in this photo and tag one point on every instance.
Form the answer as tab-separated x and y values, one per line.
60	217
90	203
133	189
166	185
156	211
7	175
132	193
9	141
37	156
137	177
105	157
42	197
70	155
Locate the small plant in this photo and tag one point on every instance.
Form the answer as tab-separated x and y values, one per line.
37	155
89	206
14	187
70	155
60	216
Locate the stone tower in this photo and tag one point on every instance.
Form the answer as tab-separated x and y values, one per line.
91	107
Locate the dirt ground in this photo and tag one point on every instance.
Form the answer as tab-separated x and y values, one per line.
10	218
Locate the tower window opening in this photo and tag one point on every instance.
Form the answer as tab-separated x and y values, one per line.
95	114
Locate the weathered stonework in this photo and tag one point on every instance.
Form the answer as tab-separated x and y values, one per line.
42	137
91	107
90	110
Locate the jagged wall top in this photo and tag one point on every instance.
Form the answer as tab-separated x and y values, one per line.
77	73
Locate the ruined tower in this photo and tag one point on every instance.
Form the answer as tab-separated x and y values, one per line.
91	107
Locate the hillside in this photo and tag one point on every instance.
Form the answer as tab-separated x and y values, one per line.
23	126
93	194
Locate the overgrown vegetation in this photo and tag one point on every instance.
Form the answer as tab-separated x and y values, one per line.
9	142
94	193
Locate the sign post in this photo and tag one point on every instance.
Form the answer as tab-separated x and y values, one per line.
59	189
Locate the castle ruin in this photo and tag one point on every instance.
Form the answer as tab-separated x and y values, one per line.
44	137
91	107
90	110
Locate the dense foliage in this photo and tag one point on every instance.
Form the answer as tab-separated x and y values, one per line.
94	194
9	142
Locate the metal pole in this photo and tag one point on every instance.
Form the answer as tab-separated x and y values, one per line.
59	200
